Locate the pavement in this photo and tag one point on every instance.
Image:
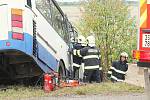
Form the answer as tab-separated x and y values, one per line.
135	75
97	97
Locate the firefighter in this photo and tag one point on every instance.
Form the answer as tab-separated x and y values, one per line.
73	40
77	61
91	60
118	69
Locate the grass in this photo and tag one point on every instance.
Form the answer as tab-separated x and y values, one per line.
26	92
18	92
99	89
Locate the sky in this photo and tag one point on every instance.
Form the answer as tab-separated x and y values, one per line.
81	0
68	0
131	0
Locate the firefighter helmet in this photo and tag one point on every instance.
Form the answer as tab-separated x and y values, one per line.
73	40
91	41
124	54
81	39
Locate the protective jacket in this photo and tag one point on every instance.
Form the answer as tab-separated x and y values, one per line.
91	57
117	71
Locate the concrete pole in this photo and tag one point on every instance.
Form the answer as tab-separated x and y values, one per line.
147	83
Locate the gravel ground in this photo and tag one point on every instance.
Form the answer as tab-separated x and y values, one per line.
97	97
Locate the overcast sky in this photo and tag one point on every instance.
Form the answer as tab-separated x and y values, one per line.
81	0
131	0
68	0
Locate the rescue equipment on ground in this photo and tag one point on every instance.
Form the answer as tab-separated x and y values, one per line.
49	83
69	83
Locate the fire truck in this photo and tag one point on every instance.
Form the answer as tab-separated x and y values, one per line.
142	54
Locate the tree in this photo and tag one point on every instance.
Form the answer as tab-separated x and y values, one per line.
115	31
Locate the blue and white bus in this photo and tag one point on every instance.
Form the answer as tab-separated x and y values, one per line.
34	38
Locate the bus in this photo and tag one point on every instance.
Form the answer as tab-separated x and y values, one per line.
34	39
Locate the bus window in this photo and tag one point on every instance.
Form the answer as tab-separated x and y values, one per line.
29	3
52	14
45	9
57	19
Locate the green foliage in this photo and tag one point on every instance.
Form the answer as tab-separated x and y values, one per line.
114	29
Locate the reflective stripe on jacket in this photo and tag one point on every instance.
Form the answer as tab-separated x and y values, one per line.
90	56
117	71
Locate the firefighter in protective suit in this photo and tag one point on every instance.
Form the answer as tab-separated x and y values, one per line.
118	69
73	41
91	59
77	61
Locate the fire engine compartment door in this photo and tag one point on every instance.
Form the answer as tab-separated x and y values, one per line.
3	22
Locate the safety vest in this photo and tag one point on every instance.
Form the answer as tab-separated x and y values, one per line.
91	57
117	71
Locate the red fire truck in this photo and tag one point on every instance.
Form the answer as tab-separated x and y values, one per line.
142	54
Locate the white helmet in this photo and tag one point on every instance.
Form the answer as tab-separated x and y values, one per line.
91	41
73	40
124	54
81	39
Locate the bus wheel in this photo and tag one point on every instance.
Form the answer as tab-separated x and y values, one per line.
61	71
